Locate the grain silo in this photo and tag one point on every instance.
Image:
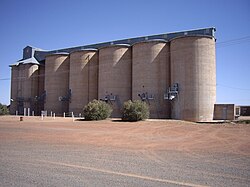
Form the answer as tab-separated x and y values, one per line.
83	80
30	89
14	89
57	83
173	72
115	76
151	76
193	69
27	81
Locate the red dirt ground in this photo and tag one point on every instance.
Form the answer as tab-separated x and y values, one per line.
152	134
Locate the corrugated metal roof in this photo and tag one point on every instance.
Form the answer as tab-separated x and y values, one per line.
26	61
209	32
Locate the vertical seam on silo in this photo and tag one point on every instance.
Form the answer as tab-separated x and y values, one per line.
131	90
88	65
169	79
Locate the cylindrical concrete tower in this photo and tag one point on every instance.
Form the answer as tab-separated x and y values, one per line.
27	87
14	89
83	80
115	76
151	74
193	68
57	83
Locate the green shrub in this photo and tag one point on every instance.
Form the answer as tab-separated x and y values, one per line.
135	111
97	110
3	110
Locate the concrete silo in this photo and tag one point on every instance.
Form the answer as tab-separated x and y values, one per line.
115	76
57	83
83	80
14	89
193	68
25	88
151	76
30	88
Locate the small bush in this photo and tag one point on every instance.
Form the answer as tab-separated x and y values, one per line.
97	110
135	111
244	121
3	109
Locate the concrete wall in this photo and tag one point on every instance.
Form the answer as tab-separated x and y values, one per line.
83	80
41	79
151	75
193	68
39	104
115	76
224	112
56	83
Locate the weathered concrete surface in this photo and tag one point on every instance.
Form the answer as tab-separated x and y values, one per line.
193	68
24	87
56	83
151	75
115	76
83	79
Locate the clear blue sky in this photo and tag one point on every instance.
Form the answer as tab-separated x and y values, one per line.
54	24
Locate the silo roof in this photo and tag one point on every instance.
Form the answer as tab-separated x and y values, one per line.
207	32
31	60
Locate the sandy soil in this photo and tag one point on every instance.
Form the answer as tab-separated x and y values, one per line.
63	152
151	134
